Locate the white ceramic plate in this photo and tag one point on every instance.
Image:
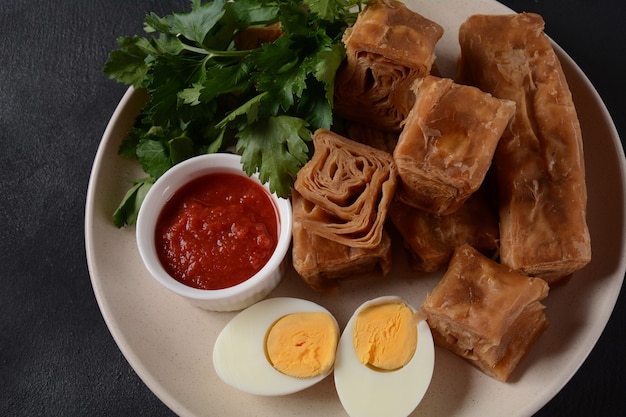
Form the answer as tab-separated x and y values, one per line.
169	343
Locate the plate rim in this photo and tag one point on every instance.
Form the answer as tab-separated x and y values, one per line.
171	400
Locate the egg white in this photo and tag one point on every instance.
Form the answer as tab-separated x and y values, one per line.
366	392
239	352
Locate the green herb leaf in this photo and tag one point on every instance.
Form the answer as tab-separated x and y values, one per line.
283	74
128	210
196	24
329	61
332	10
153	23
205	95
154	157
326	9
249	110
181	148
253	12
127	64
279	146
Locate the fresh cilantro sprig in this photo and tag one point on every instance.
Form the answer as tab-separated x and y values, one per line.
207	95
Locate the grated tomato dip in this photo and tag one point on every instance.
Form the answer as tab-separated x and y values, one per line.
217	231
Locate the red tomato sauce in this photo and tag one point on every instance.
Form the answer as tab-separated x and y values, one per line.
217	231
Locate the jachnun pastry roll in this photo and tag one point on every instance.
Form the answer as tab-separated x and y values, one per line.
539	162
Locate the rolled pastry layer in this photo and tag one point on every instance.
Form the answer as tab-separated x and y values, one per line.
539	162
322	263
379	139
431	239
486	313
388	47
447	144
351	185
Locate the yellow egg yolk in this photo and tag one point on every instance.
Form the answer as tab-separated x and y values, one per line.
385	336
303	345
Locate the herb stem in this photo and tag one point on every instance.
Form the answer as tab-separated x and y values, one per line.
212	53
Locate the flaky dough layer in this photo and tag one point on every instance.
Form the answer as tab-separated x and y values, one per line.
539	161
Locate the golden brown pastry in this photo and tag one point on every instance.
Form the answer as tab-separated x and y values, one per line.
351	186
386	49
486	313
379	139
447	144
253	37
539	165
322	263
432	239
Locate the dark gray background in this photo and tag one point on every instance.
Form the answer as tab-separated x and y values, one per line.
57	357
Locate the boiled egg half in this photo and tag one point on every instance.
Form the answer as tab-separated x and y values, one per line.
385	359
278	346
